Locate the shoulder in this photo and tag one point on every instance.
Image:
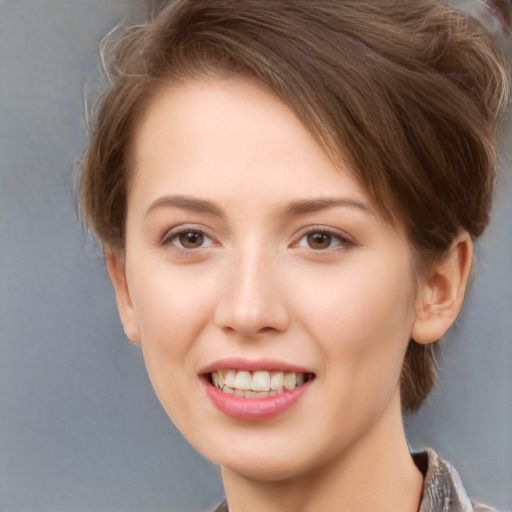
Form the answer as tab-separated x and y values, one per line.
443	490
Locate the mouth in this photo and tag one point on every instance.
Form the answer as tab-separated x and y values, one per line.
257	384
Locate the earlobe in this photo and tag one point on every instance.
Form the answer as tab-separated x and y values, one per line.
116	271
441	293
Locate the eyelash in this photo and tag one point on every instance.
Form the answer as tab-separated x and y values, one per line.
343	241
171	237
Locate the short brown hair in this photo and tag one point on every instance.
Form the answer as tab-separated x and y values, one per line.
406	92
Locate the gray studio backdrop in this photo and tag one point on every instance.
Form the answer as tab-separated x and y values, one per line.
80	428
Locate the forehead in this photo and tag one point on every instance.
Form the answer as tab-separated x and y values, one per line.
232	137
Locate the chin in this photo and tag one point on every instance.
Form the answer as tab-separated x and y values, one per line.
262	460
266	469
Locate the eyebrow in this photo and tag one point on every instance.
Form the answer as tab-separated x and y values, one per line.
186	203
314	205
299	207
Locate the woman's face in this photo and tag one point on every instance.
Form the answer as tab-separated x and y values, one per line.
255	263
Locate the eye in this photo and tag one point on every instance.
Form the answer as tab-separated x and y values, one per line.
320	240
191	239
187	239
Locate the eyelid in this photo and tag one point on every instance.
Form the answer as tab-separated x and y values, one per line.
345	239
171	234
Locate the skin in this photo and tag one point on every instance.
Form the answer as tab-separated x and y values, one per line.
255	287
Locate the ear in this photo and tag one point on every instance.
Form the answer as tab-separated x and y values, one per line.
441	292
116	271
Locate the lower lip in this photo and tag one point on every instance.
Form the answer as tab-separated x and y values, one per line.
255	409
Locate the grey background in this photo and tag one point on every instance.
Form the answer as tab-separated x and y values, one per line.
80	428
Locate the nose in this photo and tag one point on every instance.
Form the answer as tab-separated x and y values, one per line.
253	300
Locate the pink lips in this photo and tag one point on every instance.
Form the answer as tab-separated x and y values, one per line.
254	409
238	363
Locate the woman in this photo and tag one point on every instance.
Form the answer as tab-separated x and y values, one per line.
287	194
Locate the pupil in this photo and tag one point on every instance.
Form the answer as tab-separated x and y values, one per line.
319	240
191	239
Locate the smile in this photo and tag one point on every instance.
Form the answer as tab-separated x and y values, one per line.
257	384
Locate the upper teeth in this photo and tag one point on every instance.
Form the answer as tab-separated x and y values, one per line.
243	381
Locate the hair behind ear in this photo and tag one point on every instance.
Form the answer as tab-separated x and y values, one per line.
418	376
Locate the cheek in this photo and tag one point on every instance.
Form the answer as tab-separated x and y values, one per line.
172	309
359	306
362	327
171	305
361	317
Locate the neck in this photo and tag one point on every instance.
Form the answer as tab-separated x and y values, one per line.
376	473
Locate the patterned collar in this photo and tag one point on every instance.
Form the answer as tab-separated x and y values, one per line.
443	490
